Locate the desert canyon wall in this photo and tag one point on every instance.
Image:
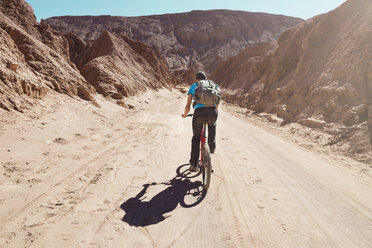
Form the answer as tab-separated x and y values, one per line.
319	75
36	59
197	39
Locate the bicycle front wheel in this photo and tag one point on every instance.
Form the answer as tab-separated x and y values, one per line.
206	167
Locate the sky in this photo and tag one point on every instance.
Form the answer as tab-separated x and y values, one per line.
297	8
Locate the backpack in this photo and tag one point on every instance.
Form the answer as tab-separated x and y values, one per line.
208	93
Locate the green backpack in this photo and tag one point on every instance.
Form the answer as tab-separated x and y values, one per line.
207	92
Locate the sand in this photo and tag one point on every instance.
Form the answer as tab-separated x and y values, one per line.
73	175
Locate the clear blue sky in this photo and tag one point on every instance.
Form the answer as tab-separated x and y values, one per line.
299	8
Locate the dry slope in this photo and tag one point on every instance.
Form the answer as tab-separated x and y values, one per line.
36	59
120	67
33	59
319	74
194	39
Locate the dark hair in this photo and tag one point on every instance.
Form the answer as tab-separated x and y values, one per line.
201	75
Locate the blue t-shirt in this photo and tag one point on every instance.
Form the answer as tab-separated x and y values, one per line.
192	92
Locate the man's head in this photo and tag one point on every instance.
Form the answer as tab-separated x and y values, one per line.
200	75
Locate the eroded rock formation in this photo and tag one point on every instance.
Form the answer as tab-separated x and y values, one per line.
197	39
320	73
29	67
120	67
36	59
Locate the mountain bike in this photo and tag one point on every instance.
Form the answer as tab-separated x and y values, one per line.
205	163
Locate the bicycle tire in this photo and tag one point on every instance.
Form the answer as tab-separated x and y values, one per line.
206	167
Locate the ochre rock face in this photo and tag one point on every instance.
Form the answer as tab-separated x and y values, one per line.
21	14
241	72
33	59
319	73
120	67
197	39
36	59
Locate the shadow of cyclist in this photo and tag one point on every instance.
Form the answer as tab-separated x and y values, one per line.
139	212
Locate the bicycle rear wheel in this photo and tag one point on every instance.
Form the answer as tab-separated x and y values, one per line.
206	167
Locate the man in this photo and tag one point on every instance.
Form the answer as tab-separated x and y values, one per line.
202	114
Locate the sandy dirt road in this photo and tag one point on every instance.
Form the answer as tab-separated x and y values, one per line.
77	176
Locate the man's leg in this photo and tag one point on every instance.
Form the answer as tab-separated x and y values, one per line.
212	137
212	118
197	127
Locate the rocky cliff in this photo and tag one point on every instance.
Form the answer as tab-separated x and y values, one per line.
121	67
318	75
36	59
197	39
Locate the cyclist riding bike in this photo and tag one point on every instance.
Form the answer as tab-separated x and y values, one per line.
202	114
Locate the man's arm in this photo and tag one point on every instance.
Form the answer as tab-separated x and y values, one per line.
188	104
